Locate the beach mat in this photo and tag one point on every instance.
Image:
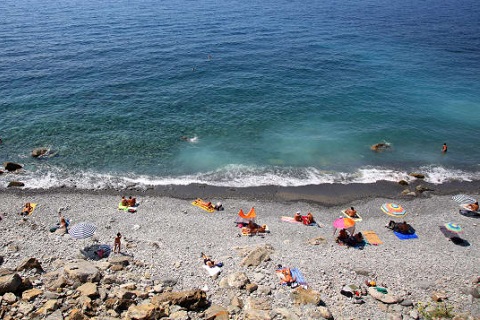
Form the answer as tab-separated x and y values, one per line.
357	219
402	236
371	238
200	203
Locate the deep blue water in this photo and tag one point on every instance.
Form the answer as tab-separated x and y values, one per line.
275	92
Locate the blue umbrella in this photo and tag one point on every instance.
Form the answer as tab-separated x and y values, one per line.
82	230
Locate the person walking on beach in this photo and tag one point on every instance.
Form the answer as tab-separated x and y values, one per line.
117	244
444	148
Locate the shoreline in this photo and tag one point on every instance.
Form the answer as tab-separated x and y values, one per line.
322	194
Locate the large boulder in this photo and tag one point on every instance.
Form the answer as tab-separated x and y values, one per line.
306	296
10	283
82	271
37	152
258	255
29	264
15	184
191	300
146	311
386	298
12	166
237	280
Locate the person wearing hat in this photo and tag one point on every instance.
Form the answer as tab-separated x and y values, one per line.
298	216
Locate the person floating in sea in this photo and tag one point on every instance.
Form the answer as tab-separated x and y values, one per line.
444	148
378	147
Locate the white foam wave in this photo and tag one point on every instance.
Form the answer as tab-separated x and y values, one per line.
231	176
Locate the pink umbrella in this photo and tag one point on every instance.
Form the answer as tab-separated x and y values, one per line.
343	223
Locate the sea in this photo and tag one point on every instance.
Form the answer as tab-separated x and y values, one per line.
238	93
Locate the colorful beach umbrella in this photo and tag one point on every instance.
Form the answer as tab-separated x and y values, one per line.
343	223
453	227
463	199
393	209
82	230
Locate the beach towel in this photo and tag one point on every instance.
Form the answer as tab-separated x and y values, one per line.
371	238
212	271
357	217
402	236
298	276
205	205
126	208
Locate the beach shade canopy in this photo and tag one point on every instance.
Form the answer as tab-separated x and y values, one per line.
463	199
453	227
394	210
246	218
82	230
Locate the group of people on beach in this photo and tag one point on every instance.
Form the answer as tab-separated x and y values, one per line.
351	240
308	219
130	202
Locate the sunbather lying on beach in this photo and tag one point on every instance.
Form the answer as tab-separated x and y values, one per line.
351	212
253	228
286	276
401	227
297	216
27	209
473	206
209	262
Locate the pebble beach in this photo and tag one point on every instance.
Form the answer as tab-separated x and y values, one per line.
167	235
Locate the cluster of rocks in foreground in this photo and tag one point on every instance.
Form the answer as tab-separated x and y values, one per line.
121	287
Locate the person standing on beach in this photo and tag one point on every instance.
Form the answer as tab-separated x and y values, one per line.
117	244
444	148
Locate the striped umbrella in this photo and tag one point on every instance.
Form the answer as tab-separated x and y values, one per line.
463	199
394	210
453	227
82	230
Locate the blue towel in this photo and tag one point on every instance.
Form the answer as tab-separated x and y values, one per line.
402	236
297	275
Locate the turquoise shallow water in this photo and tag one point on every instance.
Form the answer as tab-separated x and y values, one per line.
273	92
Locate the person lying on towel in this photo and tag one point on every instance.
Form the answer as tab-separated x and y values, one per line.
473	206
309	219
253	228
27	209
351	212
402	227
209	262
297	216
286	277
